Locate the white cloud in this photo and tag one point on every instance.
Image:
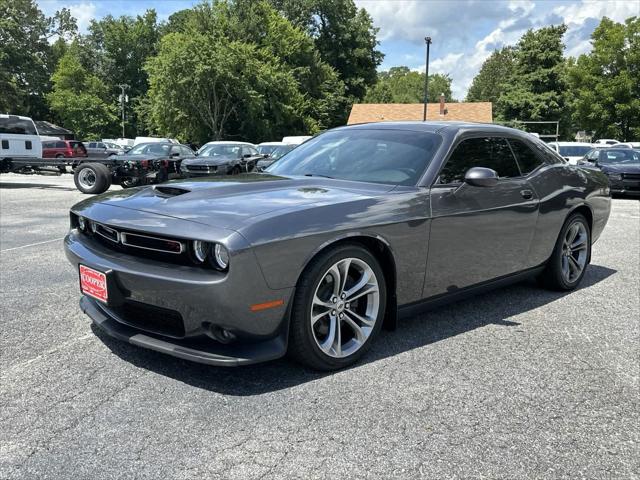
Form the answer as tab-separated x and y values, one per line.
84	13
459	28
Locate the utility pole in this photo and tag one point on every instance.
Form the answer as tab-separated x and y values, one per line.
123	99
427	40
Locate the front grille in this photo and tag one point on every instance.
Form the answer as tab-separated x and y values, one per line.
151	318
106	232
152	243
631	176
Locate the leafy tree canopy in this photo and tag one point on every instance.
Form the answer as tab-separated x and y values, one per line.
26	63
606	82
494	75
402	85
80	99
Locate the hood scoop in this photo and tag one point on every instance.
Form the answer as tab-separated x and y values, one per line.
166	191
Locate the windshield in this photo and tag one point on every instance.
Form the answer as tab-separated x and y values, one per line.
397	157
150	148
619	156
281	151
267	149
573	151
227	150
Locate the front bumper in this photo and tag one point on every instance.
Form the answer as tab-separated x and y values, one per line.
196	350
625	186
200	301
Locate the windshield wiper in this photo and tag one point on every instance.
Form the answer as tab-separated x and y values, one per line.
317	175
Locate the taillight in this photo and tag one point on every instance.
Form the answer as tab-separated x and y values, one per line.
144	163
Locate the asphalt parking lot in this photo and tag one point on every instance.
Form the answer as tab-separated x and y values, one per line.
518	383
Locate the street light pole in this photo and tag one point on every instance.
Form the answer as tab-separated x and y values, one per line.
427	40
123	98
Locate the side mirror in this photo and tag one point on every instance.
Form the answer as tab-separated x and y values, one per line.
481	177
247	155
175	155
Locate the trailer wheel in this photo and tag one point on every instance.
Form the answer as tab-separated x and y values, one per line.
92	178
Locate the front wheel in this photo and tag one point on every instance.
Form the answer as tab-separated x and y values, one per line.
568	262
130	182
338	308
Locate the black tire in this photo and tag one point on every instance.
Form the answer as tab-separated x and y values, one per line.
101	175
552	277
235	170
59	155
302	344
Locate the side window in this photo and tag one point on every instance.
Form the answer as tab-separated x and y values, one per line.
92	144
100	145
486	152
60	145
175	149
186	151
527	158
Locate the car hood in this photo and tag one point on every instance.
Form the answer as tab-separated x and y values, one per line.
231	203
219	160
621	168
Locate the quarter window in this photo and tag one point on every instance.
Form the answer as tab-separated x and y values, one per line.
488	152
527	158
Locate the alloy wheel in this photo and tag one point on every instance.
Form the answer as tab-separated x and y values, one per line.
345	307
574	251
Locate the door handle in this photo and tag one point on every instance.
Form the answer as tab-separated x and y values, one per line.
526	194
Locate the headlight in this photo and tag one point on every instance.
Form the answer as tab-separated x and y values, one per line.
615	176
82	223
221	256
200	250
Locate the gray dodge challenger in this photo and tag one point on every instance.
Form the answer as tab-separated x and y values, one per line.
354	229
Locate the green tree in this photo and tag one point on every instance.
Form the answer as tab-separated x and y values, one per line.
537	88
344	35
25	55
240	69
116	50
80	100
496	72
605	83
402	85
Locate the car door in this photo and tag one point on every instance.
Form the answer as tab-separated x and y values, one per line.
478	233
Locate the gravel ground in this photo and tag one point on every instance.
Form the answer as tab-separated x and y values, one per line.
518	383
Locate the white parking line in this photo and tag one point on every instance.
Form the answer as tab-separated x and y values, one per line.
32	244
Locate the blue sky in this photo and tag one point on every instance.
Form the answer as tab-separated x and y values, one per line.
464	32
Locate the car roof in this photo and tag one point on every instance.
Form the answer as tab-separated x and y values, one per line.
228	142
7	115
571	144
435	126
269	144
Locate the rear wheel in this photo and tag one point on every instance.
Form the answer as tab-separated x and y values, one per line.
92	178
338	308
568	262
59	155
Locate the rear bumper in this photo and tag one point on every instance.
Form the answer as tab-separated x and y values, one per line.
196	350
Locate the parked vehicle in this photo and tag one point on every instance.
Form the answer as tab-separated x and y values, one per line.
360	224
103	149
124	143
278	153
296	140
63	149
571	151
140	140
606	141
266	148
144	164
621	165
18	140
222	158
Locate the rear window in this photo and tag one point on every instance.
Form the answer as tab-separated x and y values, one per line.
573	151
17	126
